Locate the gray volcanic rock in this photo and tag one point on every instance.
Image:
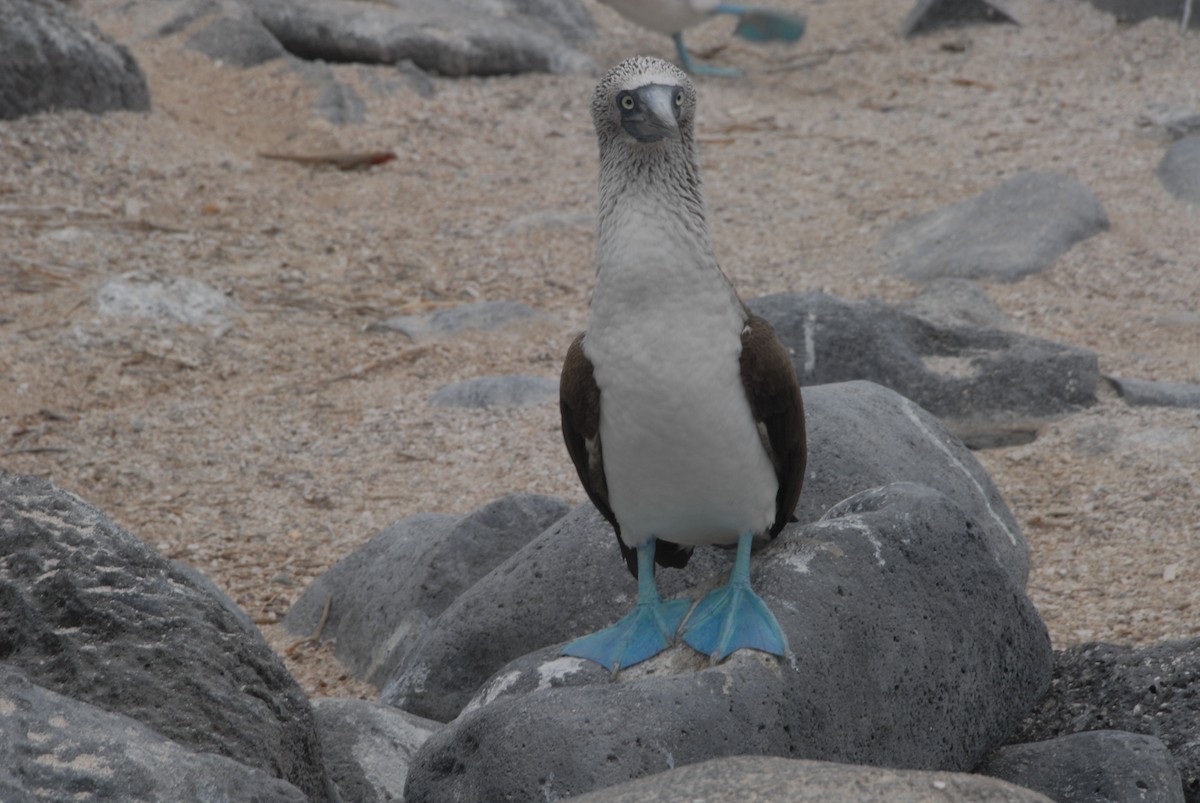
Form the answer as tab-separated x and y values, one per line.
1134	11
1091	767
956	303
496	391
1004	234
931	15
91	612
1141	392
484	315
572	580
55	747
450	37
51	59
1179	170
368	746
1149	690
910	647
238	39
165	300
796	781
384	595
988	386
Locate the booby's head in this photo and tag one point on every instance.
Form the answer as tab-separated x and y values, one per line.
644	100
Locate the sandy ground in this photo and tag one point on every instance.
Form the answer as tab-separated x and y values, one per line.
264	451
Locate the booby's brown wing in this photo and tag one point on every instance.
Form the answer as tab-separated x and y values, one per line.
579	403
778	409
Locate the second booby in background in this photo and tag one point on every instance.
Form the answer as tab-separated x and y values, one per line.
671	17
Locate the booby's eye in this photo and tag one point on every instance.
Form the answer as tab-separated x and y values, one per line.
679	98
627	103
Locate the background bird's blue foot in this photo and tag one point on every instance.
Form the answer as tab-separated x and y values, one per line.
763	25
769	26
685	61
645	632
734	617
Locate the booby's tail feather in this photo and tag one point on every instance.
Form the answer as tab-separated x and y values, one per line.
763	25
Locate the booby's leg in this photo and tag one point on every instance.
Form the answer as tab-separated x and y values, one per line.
763	25
685	61
734	617
643	633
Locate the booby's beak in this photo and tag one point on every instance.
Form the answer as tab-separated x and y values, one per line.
650	113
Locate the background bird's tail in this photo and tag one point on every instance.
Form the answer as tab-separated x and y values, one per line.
761	25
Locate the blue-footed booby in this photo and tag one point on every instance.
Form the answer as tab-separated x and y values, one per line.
680	409
671	17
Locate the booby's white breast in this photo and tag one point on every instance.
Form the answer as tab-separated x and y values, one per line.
683	458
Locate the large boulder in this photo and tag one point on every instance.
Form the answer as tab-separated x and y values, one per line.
797	781
92	613
449	37
571	579
52	59
55	747
376	602
1015	229
1179	170
989	386
1147	690
1091	767
910	647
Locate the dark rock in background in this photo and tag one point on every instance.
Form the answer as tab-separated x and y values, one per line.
1179	170
1134	11
956	303
1004	234
1140	392
449	37
931	15
483	315
238	39
90	612
53	59
990	387
496	391
1091	767
910	647
383	596
1149	690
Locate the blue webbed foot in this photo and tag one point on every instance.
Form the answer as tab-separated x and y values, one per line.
643	633
734	617
685	61
762	25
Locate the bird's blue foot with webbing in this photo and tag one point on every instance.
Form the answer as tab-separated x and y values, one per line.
762	25
686	62
643	633
734	617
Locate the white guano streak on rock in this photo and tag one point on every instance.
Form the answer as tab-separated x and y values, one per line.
557	669
810	343
493	690
910	410
854	522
